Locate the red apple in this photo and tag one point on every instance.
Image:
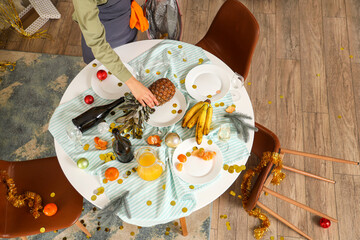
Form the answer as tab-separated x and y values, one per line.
101	75
89	99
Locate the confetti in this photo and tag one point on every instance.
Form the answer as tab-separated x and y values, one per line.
195	148
339	116
281	96
266	193
184	60
272	238
223	216
222	104
105	181
147	71
100	191
180	111
176	223
94	64
175	75
188	154
232	193
180	46
341	48
269	102
107	229
164	186
182	81
158	73
121	227
351	56
281	238
226	167
194	86
201	60
132	233
239	196
228	227
98	228
191	187
52	194
110	73
209	142
218	91
231	169
166	233
120	84
102	156
184	210
249	83
86	147
169	52
209	96
168	229
42	230
217	104
318	74
172	203
93	197
148	203
55	231
173	111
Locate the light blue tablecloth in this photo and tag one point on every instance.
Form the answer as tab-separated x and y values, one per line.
171	59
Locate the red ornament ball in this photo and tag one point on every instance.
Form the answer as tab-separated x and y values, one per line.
101	75
325	223
89	99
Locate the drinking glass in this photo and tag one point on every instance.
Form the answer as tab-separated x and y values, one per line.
224	135
149	166
237	82
73	133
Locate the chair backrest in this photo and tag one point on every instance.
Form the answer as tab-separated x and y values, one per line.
232	36
264	141
42	176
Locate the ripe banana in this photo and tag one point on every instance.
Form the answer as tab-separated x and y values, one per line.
191	113
195	117
200	124
208	119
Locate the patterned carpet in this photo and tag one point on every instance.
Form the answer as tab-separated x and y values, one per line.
28	97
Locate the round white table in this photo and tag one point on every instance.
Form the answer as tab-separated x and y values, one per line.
85	183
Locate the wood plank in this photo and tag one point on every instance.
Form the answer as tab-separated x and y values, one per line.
320	195
35	45
314	91
355	68
262	91
348	205
264	6
75	34
215	215
249	4
60	30
333	8
73	51
195	26
354	38
287	29
352	8
341	98
214	7
290	132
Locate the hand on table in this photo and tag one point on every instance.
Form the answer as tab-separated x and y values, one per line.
141	93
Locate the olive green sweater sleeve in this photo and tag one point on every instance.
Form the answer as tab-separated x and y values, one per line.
86	14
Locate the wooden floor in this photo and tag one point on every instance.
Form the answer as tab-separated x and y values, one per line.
304	86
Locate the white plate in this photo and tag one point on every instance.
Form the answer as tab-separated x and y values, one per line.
209	79
109	88
197	170
163	116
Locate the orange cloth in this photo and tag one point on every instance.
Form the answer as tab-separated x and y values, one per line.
137	18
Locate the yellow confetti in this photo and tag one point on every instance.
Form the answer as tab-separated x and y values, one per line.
121	227
112	125
231	169
269	102
94	64
120	181
194	86
42	230
281	96
105	181
184	60
209	96
195	148
281	238
266	193
55	231
176	223
173	111
169	52
232	193
109	72
168	229
226	167
102	156
132	233
86	147
148	203
318	74
93	197
339	116
209	142
52	194
158	73
147	70
201	60
191	187
167	233
164	186
175	75
239	196
242	167
351	56
272	238
217	104
249	83
182	81
100	191
233	105
119	84
180	46
139	227
341	48
87	236
228	227
172	203
184	210
222	104
188	154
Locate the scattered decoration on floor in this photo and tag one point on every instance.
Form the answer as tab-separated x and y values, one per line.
325	223
341	48
269	102
278	176
242	128
318	74
249	83
339	116
281	96
228	227
89	99
232	193
5	65
351	56
33	200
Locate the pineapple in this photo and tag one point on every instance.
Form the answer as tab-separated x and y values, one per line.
163	89
135	114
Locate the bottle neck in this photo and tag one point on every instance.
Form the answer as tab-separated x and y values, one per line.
116	103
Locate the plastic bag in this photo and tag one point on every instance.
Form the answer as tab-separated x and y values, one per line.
164	19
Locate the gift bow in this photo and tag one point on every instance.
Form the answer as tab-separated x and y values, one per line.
137	18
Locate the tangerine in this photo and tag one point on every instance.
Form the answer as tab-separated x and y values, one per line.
50	209
111	174
182	158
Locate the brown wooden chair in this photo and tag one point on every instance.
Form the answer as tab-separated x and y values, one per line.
264	141
42	176
232	36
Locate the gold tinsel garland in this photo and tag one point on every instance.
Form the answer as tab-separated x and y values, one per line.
9	15
278	176
7	66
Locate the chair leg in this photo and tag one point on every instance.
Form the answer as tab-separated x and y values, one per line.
183	226
307	174
78	223
281	219
23	238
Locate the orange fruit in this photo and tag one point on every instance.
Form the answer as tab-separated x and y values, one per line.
111	174
182	158
179	166
50	209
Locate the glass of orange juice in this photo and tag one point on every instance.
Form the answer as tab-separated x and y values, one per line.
149	166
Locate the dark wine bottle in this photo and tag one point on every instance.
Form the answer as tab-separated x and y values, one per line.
122	147
95	115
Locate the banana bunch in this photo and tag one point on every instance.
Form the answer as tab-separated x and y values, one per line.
201	115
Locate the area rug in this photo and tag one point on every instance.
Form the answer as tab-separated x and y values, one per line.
28	98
